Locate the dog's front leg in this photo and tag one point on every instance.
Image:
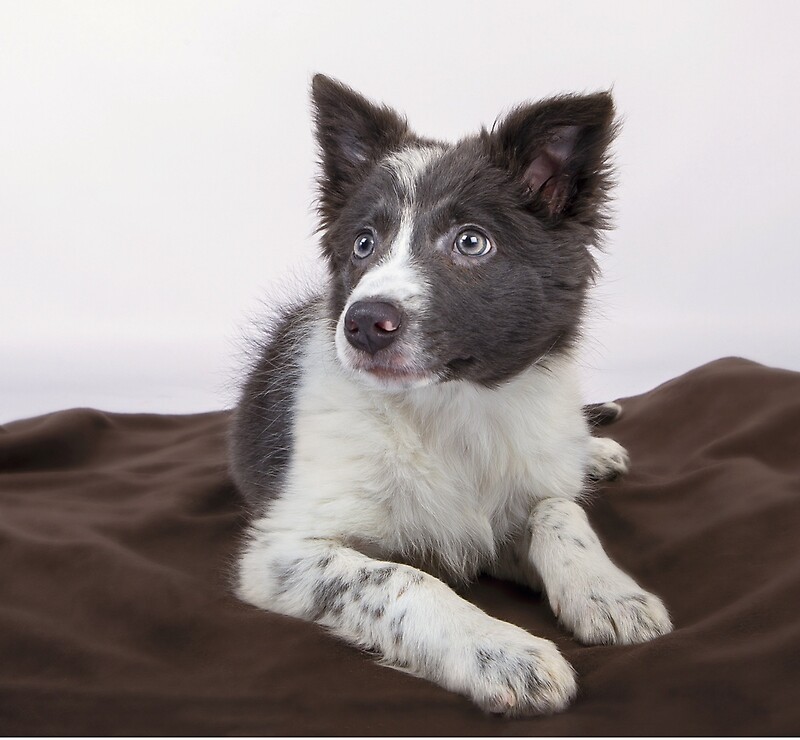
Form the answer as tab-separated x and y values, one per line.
588	593
411	619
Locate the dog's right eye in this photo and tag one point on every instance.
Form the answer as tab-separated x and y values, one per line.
364	245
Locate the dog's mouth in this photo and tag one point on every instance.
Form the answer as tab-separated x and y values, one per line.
395	373
403	375
396	377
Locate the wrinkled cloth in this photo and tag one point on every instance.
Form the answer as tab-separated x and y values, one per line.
119	533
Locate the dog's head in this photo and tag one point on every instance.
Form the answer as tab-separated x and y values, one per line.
458	261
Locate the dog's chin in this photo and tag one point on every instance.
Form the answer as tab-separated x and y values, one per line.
395	380
392	378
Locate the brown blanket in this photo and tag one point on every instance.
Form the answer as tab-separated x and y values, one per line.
117	534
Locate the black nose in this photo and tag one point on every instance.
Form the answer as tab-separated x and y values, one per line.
372	325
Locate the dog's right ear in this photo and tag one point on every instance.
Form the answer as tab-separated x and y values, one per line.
352	134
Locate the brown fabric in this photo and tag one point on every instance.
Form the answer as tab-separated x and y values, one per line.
117	534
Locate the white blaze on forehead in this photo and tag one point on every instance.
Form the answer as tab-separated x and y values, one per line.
408	165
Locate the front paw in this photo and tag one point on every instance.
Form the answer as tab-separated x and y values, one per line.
607	460
606	614
523	675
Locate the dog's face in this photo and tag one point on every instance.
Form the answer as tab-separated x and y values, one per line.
467	261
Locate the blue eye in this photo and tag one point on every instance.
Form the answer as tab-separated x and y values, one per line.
472	243
364	245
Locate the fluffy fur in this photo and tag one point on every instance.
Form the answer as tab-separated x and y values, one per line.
442	435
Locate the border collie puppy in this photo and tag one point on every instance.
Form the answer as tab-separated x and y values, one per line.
419	422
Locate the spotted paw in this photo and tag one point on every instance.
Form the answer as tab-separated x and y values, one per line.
521	676
609	615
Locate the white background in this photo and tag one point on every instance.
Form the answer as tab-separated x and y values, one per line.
156	168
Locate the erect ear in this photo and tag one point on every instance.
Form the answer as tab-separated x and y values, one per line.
558	150
352	133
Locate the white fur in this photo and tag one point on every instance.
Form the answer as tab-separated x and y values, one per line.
451	468
607	458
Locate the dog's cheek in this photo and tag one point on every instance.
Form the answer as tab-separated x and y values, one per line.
343	278
336	301
490	318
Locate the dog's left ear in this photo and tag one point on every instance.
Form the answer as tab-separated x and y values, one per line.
558	150
352	134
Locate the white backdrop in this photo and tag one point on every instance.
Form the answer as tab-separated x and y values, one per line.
156	168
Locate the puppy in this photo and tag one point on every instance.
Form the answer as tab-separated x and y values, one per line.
419	421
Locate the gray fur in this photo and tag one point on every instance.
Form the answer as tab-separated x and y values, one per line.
261	433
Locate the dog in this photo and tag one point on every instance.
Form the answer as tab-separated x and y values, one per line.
419	421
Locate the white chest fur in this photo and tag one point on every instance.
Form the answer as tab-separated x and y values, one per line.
450	469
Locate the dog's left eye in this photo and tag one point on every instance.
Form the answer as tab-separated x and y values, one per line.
472	243
364	245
